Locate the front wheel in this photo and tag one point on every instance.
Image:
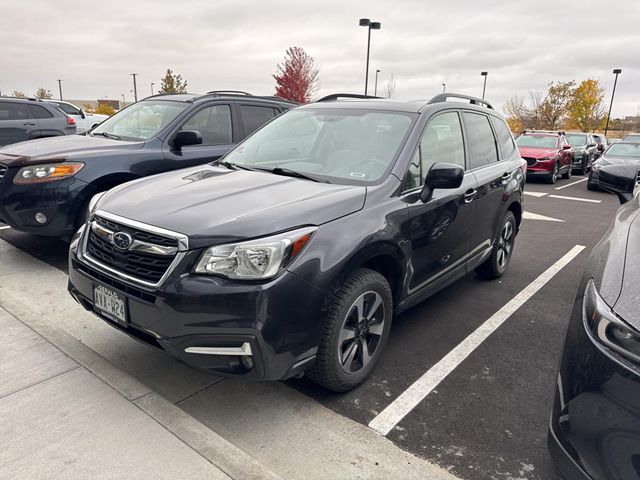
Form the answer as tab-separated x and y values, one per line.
567	175
355	331
553	176
591	184
496	265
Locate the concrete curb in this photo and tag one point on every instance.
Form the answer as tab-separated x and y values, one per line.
222	454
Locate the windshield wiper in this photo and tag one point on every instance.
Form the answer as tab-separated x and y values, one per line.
238	166
106	135
293	173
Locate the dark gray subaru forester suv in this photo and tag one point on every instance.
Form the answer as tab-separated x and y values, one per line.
293	253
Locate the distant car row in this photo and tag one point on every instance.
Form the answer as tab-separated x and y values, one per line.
550	154
24	119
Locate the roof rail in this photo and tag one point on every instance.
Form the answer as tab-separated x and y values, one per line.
442	97
233	92
33	99
535	130
337	96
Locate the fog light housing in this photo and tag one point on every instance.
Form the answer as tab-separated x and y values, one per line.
41	218
247	361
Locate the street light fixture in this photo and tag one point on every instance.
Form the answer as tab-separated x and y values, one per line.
484	88
444	87
375	89
135	88
616	71
152	84
365	22
60	88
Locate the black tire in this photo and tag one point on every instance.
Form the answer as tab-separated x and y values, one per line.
503	243
567	175
341	364
583	168
553	176
591	185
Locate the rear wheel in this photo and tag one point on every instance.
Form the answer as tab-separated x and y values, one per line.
355	331
503	243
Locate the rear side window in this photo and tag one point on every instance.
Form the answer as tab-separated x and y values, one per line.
213	123
254	117
39	112
482	143
13	111
505	139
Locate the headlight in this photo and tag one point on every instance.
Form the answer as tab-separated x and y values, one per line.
596	167
47	173
257	259
607	327
546	159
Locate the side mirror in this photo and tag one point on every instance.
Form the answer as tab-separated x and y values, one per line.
566	147
185	138
619	179
441	175
82	114
601	147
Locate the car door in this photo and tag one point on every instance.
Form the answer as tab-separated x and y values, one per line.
16	123
440	229
49	124
215	124
492	176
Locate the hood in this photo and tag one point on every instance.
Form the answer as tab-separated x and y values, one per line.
537	152
612	160
212	205
627	303
55	149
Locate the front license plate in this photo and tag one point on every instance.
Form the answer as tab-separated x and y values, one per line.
110	303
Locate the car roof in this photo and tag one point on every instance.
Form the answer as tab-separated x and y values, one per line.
20	99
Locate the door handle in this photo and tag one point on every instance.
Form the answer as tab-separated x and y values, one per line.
29	123
506	176
469	195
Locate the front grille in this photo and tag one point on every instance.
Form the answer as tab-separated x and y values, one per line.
530	161
140	265
3	170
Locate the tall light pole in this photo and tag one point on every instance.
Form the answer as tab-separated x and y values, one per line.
135	89
375	89
484	88
365	22
60	88
444	87
616	71
152	84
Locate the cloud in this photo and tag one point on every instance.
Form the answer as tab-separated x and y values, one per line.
94	46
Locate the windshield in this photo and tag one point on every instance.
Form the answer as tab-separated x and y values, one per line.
339	145
624	150
537	141
140	121
576	140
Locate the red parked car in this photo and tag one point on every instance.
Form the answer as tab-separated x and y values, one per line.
548	154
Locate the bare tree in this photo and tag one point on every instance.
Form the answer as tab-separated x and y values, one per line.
390	87
553	108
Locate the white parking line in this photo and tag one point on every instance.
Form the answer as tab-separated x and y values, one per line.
577	199
535	194
535	216
4	227
572	183
410	398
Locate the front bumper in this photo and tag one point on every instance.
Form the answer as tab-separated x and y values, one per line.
278	322
595	425
59	201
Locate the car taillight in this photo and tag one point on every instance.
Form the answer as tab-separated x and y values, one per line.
71	121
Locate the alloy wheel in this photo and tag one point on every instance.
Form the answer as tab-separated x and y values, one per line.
505	245
361	332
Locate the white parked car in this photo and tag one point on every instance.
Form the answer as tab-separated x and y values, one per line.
84	120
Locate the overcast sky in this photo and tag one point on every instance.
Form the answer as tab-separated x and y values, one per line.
93	46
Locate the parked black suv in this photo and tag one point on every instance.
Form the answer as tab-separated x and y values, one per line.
48	183
585	150
28	118
294	252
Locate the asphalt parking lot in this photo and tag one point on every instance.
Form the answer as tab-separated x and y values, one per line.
488	417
